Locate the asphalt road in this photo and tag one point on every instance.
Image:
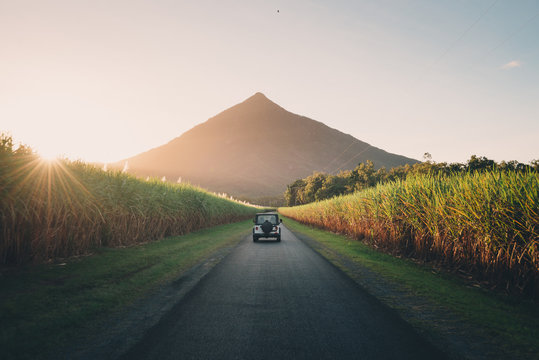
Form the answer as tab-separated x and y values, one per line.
271	300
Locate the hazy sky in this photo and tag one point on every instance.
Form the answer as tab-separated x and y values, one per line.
104	80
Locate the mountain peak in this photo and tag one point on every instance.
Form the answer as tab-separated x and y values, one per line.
256	104
258	97
255	149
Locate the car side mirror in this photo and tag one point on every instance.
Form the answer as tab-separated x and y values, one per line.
254	220
281	221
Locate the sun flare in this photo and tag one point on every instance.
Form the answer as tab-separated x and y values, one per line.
48	157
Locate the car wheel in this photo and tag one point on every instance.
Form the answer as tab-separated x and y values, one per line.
255	239
279	238
266	227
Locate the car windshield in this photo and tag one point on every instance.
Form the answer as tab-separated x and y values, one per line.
270	217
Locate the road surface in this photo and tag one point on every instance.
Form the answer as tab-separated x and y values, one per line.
280	300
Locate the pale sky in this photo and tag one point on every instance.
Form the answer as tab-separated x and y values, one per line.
105	80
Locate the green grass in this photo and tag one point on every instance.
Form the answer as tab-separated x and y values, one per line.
512	321
484	222
44	307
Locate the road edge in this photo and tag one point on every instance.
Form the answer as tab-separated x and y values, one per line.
441	327
127	327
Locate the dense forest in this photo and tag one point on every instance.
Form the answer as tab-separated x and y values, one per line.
321	186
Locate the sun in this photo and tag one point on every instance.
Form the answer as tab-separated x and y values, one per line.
48	156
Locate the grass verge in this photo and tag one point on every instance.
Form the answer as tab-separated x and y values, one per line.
485	223
509	322
45	307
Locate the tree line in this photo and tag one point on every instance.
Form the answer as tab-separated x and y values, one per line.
321	186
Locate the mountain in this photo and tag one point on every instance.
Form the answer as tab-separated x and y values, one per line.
254	149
